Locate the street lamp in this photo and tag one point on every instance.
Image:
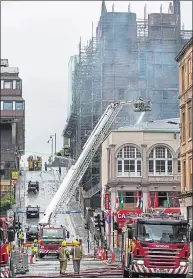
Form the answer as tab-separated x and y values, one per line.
51	137
51	140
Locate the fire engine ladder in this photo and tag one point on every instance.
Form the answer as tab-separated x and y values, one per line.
76	172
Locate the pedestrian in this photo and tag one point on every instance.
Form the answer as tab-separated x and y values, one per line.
76	253
35	248
20	238
64	256
60	171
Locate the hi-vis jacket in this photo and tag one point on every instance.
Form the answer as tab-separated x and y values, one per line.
35	247
63	254
76	253
21	235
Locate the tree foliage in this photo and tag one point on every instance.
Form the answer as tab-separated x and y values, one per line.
7	200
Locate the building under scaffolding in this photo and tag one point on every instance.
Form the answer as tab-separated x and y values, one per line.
126	58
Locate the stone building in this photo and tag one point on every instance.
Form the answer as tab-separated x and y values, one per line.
184	60
141	165
12	119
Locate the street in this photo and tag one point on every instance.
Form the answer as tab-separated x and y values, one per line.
48	185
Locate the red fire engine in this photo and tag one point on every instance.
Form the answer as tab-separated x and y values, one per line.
50	239
6	236
153	245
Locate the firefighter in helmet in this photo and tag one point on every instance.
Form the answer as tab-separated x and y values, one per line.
76	252
140	98
35	248
64	256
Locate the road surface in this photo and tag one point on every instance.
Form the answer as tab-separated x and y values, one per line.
48	186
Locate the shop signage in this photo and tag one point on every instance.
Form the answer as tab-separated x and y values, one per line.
122	215
107	201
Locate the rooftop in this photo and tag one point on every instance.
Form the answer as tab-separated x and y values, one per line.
184	49
170	125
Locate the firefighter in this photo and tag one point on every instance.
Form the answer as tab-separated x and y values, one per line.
35	247
20	237
140	98
64	256
76	253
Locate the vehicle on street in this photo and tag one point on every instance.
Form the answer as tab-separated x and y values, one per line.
156	246
50	240
33	186
32	211
32	232
34	163
7	235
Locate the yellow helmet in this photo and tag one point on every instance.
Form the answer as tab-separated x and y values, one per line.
35	240
63	243
76	243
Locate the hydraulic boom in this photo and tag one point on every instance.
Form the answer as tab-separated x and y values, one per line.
76	172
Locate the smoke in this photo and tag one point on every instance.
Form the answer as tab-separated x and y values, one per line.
140	118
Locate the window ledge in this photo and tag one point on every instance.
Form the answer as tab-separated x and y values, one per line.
121	176
190	139
183	143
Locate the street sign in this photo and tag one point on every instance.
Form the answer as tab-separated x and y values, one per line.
14	175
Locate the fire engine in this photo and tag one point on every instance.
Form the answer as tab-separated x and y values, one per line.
50	240
6	236
34	163
155	245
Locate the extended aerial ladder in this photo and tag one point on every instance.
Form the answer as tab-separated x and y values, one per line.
76	172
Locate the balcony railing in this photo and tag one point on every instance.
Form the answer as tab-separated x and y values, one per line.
10	92
7	148
12	113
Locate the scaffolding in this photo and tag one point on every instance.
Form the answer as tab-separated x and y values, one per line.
127	58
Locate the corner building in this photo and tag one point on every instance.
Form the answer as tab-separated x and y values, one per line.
141	165
184	59
12	122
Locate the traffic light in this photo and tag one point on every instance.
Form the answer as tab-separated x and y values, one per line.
97	221
86	226
102	223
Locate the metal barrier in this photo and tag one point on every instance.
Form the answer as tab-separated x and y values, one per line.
19	262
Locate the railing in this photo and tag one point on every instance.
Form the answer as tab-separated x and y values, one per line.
7	148
12	113
10	92
93	191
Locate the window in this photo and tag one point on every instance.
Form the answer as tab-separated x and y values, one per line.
8	84
7	105
121	94
183	78
184	176
183	132
18	85
160	161
179	163
189	122
189	75
129	162
190	173
19	106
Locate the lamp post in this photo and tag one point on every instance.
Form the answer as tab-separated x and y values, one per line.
51	140
51	137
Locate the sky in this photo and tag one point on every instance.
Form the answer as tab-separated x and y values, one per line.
39	37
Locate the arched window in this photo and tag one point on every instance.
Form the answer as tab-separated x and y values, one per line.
160	161
179	163
129	162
